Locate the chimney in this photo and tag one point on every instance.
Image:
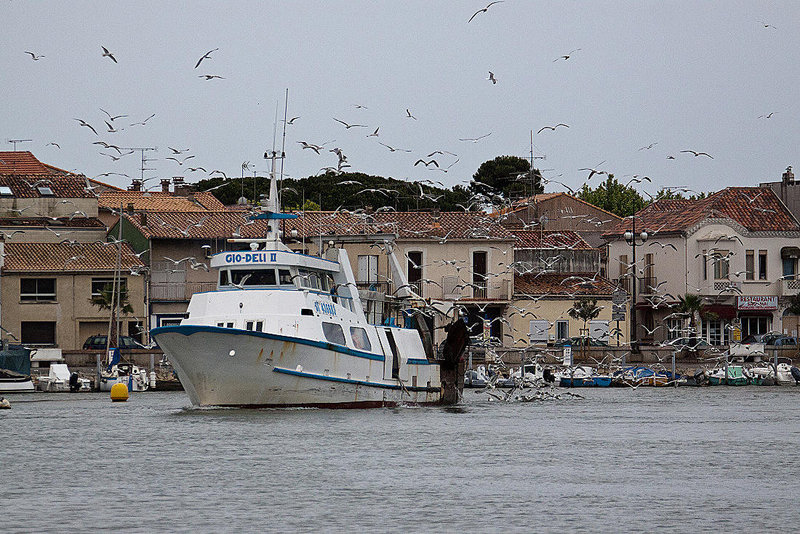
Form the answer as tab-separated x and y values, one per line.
143	218
788	176
130	208
435	213
179	186
165	185
136	185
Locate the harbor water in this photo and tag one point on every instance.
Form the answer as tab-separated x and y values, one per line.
619	460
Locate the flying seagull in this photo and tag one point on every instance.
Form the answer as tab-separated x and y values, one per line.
475	139
34	56
697	153
112	118
108	54
566	56
491	77
552	127
484	9
409	115
207	55
210	76
84	123
348	126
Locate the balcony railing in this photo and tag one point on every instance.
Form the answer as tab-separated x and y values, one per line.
790	288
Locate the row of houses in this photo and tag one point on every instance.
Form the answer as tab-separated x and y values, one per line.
513	275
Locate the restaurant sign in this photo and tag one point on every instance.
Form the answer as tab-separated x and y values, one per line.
757	303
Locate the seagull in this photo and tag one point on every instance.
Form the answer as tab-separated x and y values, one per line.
348	126
697	153
108	54
34	56
648	147
315	148
207	55
240	285
409	115
291	121
112	118
210	76
768	115
566	56
426	163
54	144
84	123
552	127
750	200
475	139
195	169
375	133
392	149
491	77
764	24
484	10
144	121
180	162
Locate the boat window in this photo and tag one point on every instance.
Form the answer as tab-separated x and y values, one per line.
333	333
360	338
313	279
221	325
285	277
230	325
248	325
259	326
257	277
223	278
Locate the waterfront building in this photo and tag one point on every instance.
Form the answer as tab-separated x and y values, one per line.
46	291
737	249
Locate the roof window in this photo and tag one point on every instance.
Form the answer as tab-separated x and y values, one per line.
45	191
5	191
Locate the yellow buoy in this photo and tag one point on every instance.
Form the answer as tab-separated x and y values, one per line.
119	392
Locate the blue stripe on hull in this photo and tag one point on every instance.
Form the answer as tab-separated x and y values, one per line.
188	330
351	381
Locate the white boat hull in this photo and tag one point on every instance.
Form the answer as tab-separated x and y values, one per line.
229	367
16	386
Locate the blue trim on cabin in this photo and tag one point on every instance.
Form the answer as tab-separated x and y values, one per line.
273	215
417	361
351	381
189	329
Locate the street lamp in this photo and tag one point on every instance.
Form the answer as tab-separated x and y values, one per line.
630	237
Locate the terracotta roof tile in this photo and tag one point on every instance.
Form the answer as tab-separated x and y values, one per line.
41	222
563	284
160	201
62	186
757	209
24	162
196	225
535	239
50	257
523	203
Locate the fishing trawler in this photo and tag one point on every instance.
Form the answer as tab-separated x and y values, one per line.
287	329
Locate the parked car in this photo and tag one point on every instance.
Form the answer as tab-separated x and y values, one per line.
780	340
98	342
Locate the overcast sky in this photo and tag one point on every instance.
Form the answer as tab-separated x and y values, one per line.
676	76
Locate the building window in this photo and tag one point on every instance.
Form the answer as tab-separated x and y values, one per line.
415	271
38	333
368	268
721	264
479	271
749	265
98	284
674	327
562	330
37	289
762	264
705	264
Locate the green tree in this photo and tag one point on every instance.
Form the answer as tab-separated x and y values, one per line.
691	306
113	301
794	305
584	309
613	196
510	176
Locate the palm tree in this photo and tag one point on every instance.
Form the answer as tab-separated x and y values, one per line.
113	301
691	305
585	309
